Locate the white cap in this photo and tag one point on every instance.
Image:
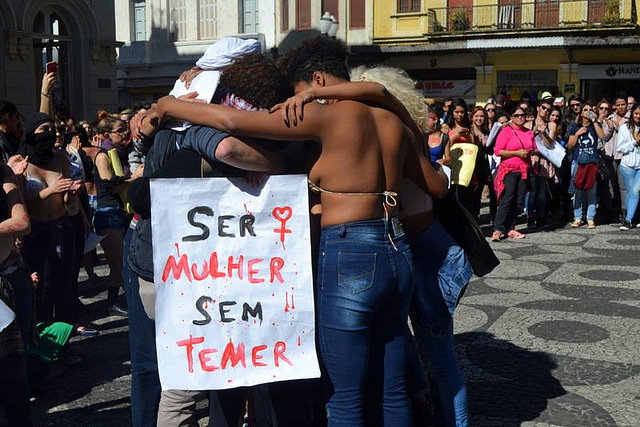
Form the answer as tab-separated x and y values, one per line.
545	95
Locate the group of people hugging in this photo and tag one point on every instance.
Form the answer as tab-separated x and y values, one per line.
380	254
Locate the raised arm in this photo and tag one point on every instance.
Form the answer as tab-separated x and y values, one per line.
258	124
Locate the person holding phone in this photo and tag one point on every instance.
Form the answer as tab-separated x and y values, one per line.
49	80
584	136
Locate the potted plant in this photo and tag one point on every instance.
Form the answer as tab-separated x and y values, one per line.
460	20
612	12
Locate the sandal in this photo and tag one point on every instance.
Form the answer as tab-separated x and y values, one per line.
514	234
86	331
497	236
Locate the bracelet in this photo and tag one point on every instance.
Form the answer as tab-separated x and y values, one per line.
44	94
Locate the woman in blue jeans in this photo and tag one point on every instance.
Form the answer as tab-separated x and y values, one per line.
441	269
584	136
364	282
628	142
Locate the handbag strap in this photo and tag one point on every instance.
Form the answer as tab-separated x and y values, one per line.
519	140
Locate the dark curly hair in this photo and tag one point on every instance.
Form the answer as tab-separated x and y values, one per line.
320	53
256	79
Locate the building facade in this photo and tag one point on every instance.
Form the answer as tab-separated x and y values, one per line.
476	49
354	18
164	37
78	34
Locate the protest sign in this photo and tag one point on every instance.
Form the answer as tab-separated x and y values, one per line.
555	154
462	163
6	316
233	280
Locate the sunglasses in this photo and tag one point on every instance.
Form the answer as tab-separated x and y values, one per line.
543	108
517	115
604	108
575	105
489	110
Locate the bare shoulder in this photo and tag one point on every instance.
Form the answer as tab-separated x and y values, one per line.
349	106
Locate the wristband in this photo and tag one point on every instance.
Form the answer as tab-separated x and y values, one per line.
44	94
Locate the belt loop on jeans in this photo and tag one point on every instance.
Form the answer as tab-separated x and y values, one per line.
342	231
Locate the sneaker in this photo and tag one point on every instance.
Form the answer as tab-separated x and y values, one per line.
576	223
591	224
626	226
114	310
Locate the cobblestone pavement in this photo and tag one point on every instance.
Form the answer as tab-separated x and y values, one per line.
551	337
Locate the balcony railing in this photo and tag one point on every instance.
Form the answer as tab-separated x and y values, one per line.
532	15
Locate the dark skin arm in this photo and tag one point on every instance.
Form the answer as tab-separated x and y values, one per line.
433	182
257	124
292	110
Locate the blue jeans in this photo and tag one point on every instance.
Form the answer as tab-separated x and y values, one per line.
364	289
442	272
631	179
145	382
588	197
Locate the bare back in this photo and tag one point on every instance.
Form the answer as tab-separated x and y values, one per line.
362	151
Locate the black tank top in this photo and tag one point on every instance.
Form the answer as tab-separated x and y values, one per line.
104	189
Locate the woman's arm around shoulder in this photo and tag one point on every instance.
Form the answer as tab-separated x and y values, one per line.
259	124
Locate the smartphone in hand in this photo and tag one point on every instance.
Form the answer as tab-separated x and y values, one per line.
51	67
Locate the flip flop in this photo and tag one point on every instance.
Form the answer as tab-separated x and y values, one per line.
497	236
86	331
514	234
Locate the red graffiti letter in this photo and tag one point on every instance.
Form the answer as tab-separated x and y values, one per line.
176	268
278	353
230	353
213	266
253	272
205	271
275	266
189	343
255	356
204	359
235	266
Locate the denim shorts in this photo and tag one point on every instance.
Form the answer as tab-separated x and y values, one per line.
441	273
109	218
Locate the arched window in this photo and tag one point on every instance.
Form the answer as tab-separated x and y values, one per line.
52	42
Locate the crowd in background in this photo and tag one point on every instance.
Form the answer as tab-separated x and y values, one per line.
60	193
65	182
596	183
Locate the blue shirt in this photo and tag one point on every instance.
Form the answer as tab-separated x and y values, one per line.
586	150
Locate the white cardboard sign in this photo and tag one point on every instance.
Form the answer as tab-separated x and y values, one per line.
233	280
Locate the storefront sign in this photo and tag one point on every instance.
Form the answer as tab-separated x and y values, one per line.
609	71
234	288
527	78
447	88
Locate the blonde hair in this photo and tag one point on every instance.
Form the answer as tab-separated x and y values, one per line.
400	85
